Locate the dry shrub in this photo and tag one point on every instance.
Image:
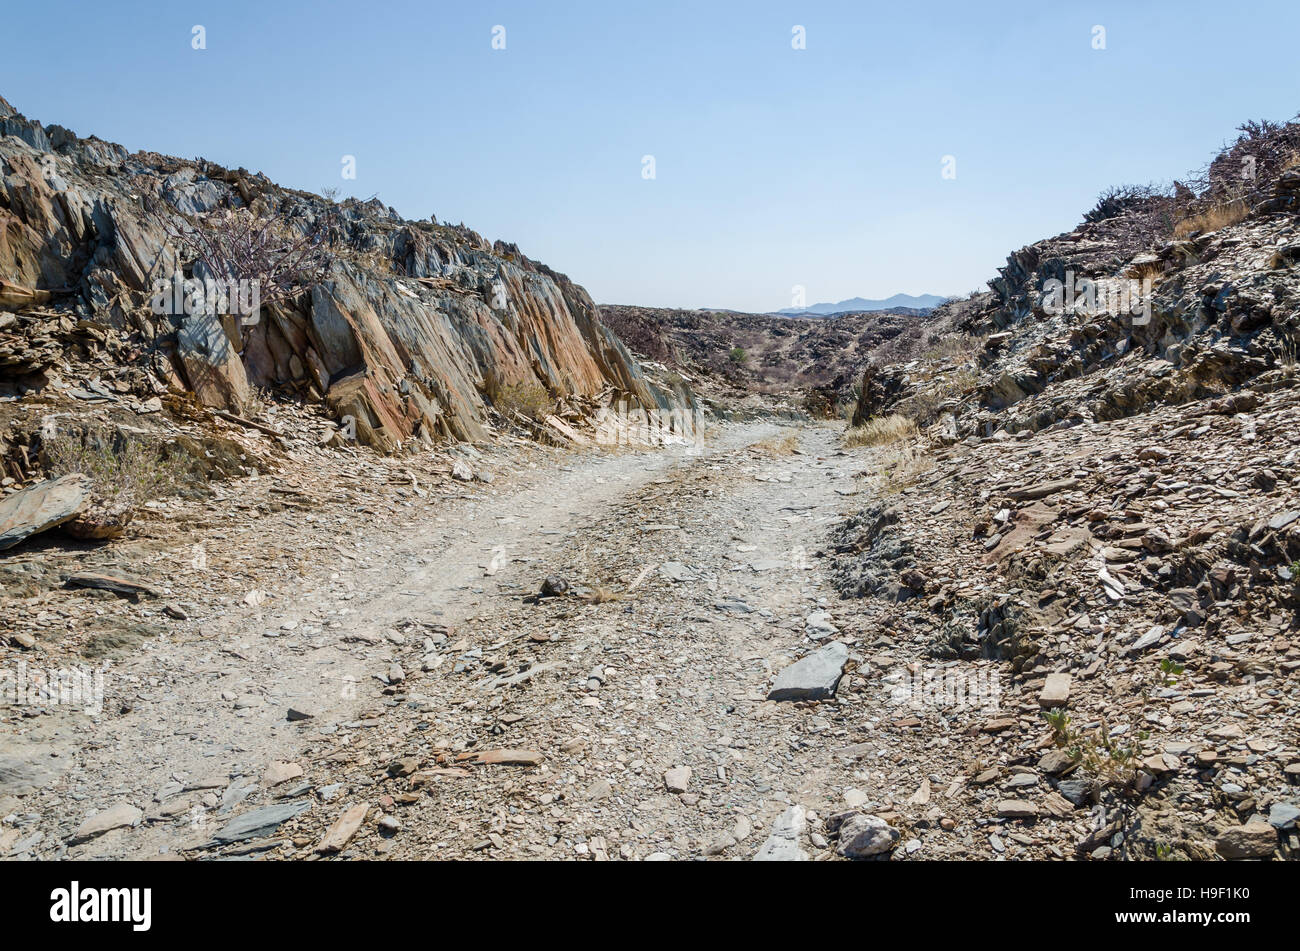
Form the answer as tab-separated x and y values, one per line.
881	431
526	399
923	406
124	472
954	347
602	595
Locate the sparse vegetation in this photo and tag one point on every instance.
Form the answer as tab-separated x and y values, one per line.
897	466
783	446
524	399
954	347
602	595
1217	216
124	473
1096	754
1170	670
881	431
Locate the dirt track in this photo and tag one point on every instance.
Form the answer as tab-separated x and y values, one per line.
666	673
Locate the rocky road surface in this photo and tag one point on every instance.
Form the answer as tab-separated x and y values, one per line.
408	697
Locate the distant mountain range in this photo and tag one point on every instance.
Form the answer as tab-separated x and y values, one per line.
861	304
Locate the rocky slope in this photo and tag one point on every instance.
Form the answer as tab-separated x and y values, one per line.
1102	501
415	330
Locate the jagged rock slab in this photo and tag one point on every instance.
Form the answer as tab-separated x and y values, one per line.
118	584
415	342
40	507
260	822
813	678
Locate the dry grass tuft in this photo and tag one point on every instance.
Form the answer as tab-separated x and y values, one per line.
895	467
881	431
526	399
603	595
783	446
1216	217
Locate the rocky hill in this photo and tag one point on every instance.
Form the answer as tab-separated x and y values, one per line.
414	333
1088	481
810	362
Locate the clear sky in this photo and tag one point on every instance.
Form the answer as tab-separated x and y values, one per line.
774	167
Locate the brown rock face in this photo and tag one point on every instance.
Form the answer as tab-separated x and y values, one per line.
415	328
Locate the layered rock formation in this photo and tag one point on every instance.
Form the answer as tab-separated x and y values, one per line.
414	330
1161	311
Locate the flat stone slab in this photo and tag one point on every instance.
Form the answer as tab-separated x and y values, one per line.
118	584
1056	691
1279	522
40	507
813	678
1042	489
260	822
121	816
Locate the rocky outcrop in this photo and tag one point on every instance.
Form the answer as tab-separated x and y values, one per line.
414	329
1094	325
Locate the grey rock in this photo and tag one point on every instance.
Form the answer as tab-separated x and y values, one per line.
40	507
1078	791
813	678
1283	815
260	822
862	836
676	571
1279	522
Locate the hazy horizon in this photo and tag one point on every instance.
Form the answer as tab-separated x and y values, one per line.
775	167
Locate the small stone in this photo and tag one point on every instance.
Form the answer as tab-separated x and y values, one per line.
279	772
862	836
1055	692
343	829
1017	809
1055	762
1283	815
677	779
783	843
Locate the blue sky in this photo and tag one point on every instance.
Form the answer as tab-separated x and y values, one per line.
774	167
